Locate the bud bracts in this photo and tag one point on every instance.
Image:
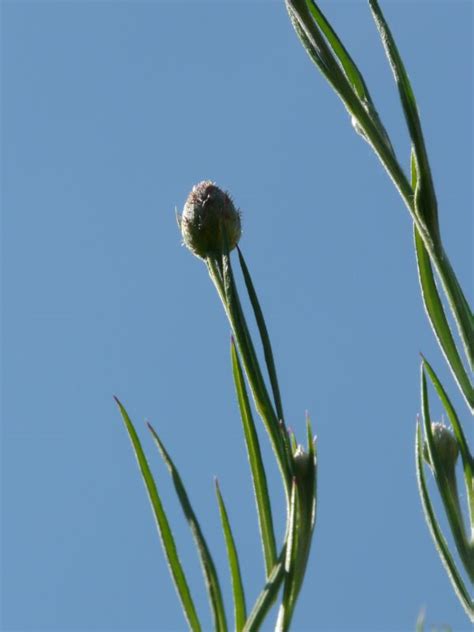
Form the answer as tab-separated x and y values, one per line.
209	221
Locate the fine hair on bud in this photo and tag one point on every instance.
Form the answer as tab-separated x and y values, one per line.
210	223
446	445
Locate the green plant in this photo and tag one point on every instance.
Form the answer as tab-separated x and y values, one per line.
210	226
439	285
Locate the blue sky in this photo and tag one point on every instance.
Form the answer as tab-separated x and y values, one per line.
111	111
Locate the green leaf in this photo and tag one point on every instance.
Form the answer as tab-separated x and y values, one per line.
209	569
349	67
435	312
292	542
162	523
267	596
301	526
259	478
315	44
254	375
313	40
428	211
312	451
440	543
425	203
448	495
240	611
262	328
434	307
466	457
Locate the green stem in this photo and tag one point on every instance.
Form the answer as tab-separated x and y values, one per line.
257	385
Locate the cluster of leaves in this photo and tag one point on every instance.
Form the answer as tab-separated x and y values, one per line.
284	568
436	445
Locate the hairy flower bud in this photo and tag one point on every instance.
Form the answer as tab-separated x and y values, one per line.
209	220
302	463
446	445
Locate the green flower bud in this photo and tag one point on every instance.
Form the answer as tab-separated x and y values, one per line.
209	220
446	445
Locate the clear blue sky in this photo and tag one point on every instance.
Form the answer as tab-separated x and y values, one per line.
111	111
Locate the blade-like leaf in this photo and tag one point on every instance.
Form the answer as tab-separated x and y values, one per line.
435	312
318	38
434	307
291	541
466	457
407	98
316	46
425	203
267	596
162	523
252	368
259	478
448	496
240	611
209	569
349	67
262	328
440	543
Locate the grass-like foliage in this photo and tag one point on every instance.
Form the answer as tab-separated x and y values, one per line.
211	228
437	445
284	565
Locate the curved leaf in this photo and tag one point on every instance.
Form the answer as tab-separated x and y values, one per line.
240	611
162	523
208	567
259	478
440	543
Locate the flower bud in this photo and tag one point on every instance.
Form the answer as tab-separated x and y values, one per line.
209	221
446	445
301	462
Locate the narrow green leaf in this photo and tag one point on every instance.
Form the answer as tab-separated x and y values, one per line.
252	368
292	542
312	38
436	315
466	457
208	567
438	538
352	72
407	97
312	452
162	523
267	596
240	611
262	328
425	203
448	496
319	51
434	307
420	621
244	340
259	478
302	522
349	67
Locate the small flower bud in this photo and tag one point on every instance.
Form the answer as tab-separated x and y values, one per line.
446	445
209	220
302	464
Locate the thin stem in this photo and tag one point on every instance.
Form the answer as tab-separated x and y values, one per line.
252	369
